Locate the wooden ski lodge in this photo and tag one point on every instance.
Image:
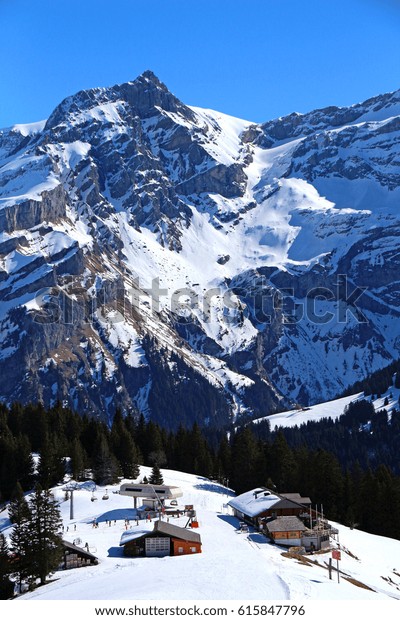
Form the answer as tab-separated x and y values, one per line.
165	539
261	503
287	519
76	557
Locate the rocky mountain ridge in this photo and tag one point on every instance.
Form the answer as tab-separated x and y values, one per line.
181	263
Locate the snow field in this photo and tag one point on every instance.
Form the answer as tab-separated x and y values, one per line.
232	566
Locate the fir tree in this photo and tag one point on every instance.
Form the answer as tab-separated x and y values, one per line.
20	516
224	461
106	468
124	447
51	468
25	463
6	585
202	462
156	475
245	456
283	467
45	540
78	459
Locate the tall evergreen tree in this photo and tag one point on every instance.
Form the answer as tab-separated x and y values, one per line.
78	459
156	475
349	501
283	467
20	516
155	452
369	488
105	467
224	461
329	484
44	529
245	456
25	463
51	468
387	511
124	447
6	585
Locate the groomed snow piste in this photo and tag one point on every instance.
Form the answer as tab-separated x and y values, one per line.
232	566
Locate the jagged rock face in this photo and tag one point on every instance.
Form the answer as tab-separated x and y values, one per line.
181	263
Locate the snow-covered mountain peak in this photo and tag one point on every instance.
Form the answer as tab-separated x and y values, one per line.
141	98
295	125
126	186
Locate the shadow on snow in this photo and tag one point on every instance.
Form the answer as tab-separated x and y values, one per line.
117	514
214	487
252	535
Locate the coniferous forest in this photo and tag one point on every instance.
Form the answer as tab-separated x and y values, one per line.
350	466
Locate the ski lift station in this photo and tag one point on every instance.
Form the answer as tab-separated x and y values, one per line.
150	493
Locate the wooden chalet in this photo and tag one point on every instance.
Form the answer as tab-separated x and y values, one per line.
286	531
165	539
286	518
76	557
258	504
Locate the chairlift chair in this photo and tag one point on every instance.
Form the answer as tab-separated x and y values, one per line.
105	496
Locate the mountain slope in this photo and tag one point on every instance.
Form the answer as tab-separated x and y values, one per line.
232	566
192	266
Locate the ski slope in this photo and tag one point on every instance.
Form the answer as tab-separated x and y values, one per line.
232	566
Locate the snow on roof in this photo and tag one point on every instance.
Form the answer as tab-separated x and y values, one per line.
72	547
255	571
163	528
132	534
254	502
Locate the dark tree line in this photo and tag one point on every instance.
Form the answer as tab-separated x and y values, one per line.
361	435
378	382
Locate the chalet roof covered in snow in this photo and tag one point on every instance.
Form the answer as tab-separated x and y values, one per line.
254	502
79	550
132	534
255	572
160	527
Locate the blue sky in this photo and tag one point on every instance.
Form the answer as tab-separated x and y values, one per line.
256	59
